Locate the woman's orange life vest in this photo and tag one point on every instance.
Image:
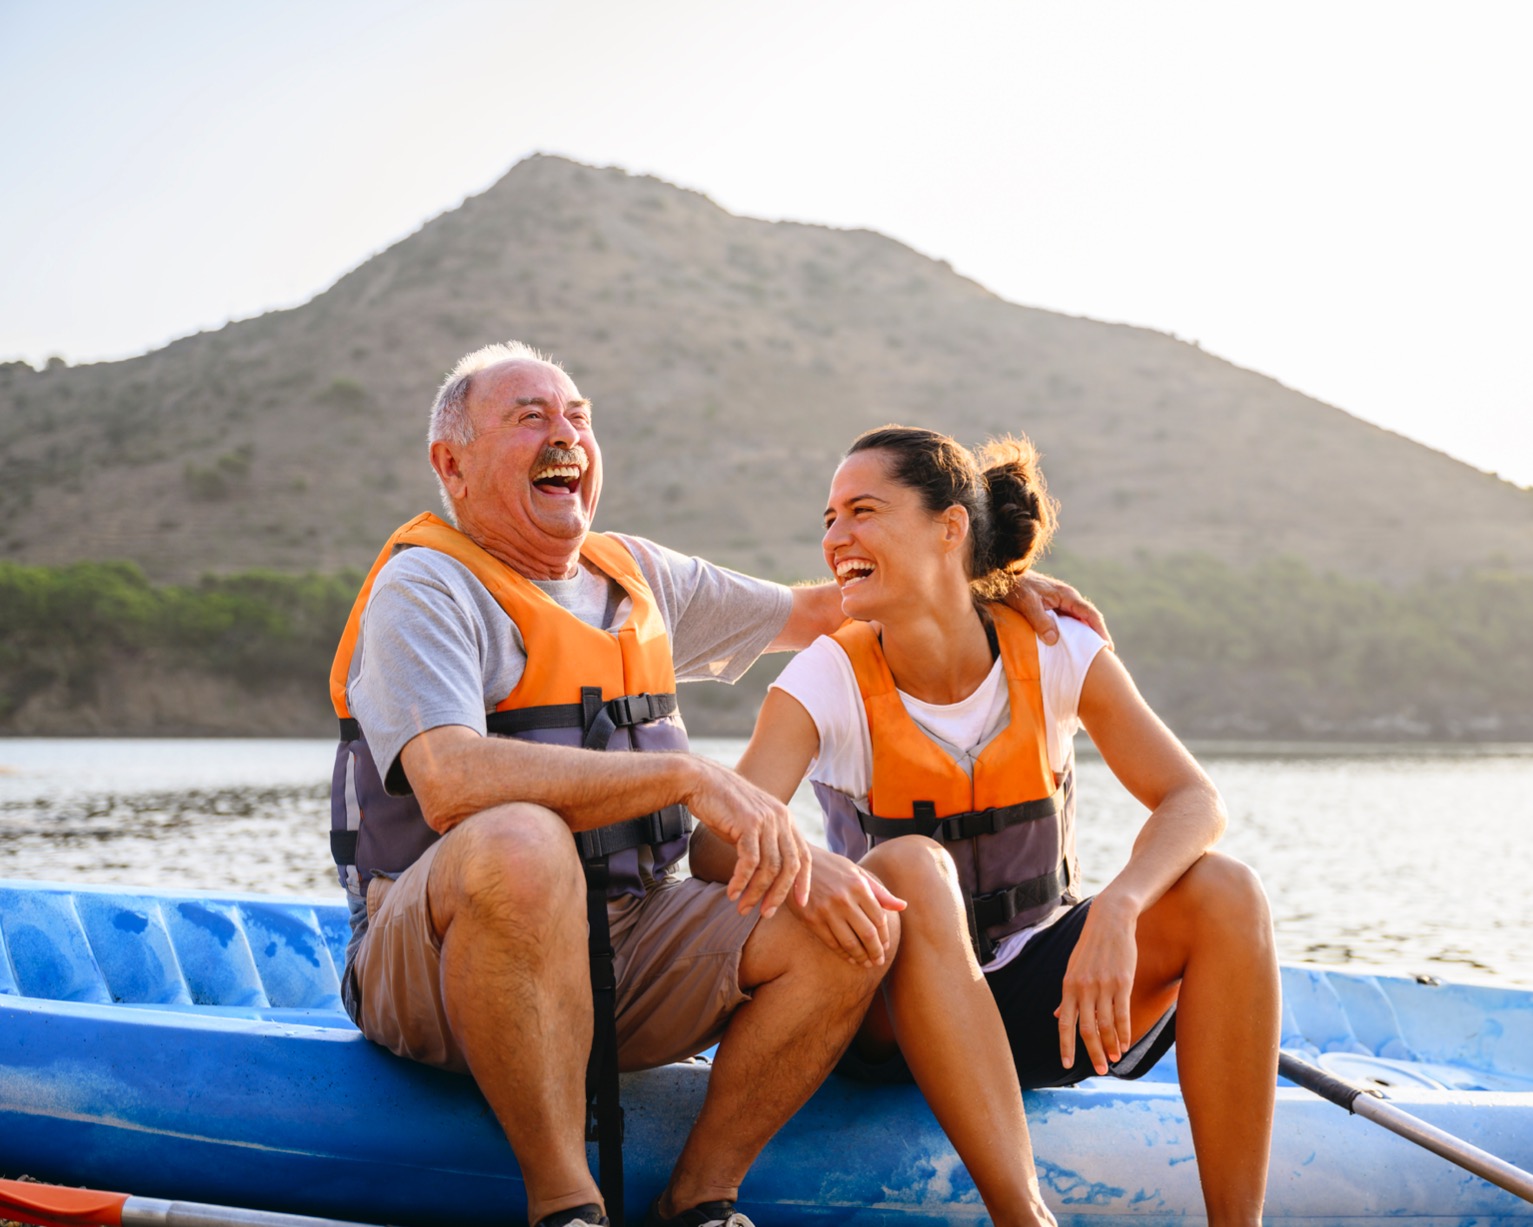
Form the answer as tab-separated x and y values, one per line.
582	686
1009	827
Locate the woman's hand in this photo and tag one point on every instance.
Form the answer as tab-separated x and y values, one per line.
1098	986
848	909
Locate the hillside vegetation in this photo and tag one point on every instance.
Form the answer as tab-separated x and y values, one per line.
172	527
730	361
1275	652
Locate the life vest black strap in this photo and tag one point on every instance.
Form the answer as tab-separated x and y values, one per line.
604	1110
654	829
961	826
598	721
343	847
672	822
1000	906
625	711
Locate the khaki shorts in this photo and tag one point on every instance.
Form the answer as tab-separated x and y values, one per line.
677	962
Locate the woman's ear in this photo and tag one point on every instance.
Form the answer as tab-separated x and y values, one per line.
955	527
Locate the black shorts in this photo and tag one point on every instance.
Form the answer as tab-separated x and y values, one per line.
1028	990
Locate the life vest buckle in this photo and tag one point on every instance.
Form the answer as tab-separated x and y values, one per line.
629	709
990	821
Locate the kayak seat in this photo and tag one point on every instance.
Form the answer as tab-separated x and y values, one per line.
292	956
132	949
254	954
46	948
100	947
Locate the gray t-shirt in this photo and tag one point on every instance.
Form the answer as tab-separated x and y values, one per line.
435	648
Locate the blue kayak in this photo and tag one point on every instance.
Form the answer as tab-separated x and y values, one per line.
187	1045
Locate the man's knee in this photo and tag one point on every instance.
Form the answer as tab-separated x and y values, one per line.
511	859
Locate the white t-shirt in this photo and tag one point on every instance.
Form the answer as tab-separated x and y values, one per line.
821	679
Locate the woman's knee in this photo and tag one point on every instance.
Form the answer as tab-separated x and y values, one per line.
912	866
1226	891
786	946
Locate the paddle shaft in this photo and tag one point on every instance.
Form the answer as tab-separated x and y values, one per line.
1455	1149
51	1205
148	1212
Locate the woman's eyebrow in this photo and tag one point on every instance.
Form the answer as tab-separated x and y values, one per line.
859	498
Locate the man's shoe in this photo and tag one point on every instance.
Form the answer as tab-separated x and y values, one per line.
576	1216
707	1214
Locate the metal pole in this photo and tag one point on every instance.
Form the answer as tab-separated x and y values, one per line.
151	1212
1455	1149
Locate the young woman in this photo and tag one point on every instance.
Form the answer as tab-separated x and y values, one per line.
937	730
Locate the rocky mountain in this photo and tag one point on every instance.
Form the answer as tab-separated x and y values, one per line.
730	361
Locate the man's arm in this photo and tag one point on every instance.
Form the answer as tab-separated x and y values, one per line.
456	772
844	906
817	610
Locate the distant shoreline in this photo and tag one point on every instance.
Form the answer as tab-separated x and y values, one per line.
1202	747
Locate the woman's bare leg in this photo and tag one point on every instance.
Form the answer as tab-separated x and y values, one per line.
1212	934
949	1030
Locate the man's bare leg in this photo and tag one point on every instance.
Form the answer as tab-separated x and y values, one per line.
936	995
806	1004
1213	932
507	896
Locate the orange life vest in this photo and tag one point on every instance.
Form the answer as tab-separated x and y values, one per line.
582	686
1008	827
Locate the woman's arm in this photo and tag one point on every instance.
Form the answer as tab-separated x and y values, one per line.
1186	820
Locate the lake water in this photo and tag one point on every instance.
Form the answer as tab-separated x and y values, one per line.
1409	860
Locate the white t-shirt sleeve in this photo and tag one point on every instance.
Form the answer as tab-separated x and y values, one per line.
821	679
1062	669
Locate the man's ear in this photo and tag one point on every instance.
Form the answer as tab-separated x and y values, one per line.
445	461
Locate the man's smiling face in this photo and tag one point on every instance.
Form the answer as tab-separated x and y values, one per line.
526	485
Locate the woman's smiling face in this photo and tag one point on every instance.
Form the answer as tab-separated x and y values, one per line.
881	543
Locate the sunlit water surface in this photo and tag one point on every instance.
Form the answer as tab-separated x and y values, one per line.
1415	861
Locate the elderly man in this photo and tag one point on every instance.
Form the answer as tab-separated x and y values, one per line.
485	670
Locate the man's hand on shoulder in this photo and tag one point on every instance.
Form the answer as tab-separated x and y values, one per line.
1034	594
772	859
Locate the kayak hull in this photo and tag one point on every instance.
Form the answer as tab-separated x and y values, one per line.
277	1102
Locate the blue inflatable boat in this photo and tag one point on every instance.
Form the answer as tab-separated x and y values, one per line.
192	1046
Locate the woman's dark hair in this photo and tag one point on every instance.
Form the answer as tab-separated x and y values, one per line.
1011	515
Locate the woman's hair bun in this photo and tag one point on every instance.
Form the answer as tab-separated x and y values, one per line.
1022	515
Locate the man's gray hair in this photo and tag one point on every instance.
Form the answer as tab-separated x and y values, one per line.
450	421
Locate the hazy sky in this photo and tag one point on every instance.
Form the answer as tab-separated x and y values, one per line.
1337	194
